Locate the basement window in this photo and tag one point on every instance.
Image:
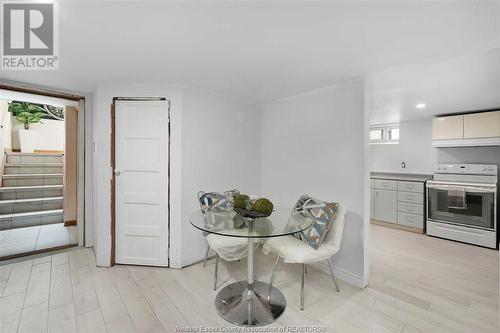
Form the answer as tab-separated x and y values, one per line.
384	134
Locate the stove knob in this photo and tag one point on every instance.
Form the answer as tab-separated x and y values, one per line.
484	168
490	168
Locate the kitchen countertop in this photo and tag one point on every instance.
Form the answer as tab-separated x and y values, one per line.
413	177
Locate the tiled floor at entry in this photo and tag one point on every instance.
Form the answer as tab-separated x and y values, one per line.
22	240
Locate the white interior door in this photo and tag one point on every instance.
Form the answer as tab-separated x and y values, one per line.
141	175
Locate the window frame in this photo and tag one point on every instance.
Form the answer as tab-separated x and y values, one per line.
385	128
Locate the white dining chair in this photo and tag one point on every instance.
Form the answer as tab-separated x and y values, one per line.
295	251
225	247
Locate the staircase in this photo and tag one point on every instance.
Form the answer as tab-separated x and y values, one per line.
32	190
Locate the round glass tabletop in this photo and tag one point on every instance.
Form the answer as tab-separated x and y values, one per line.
282	222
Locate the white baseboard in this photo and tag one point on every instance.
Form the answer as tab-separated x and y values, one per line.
340	273
343	275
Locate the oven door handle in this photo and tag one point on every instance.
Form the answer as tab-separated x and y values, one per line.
473	189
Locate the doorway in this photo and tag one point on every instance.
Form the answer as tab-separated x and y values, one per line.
39	173
140	185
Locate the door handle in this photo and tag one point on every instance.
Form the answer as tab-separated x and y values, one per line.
117	172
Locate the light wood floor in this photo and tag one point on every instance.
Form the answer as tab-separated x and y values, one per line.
418	284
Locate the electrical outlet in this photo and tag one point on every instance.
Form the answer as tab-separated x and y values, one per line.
403	165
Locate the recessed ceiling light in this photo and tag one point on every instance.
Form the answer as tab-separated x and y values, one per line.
421	106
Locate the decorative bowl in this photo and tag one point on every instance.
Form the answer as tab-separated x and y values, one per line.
250	213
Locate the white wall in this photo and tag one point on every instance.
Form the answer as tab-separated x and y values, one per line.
220	151
206	134
6	126
311	143
49	134
415	148
314	143
102	161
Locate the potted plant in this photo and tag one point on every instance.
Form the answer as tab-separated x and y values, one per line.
27	114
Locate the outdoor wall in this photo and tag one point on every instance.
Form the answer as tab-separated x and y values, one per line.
314	143
220	151
6	127
49	134
415	148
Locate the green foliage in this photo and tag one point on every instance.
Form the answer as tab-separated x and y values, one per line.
27	113
240	201
263	205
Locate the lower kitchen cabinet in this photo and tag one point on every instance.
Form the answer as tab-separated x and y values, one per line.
399	203
386	205
372	203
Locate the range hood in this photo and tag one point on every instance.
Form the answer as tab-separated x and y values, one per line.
478	142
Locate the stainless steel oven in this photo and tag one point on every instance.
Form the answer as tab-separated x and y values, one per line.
478	210
462	203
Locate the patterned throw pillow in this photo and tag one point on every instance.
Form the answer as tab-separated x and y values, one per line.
322	213
215	200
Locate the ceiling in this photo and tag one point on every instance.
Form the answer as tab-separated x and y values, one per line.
467	83
257	51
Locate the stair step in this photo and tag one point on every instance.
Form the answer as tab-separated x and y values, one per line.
32	168
30	219
13	206
16	153
30	200
13	180
33	164
33	175
30	188
31	214
30	192
23	158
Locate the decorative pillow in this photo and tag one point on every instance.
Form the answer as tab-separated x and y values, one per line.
215	200
322	213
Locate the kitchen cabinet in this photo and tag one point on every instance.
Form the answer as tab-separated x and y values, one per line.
372	198
398	202
372	203
480	129
482	125
411	220
386	205
385	184
447	128
411	197
404	186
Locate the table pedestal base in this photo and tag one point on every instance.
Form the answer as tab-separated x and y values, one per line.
250	305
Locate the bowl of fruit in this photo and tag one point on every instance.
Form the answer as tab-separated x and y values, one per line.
252	208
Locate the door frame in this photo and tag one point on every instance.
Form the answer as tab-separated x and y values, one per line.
83	175
113	166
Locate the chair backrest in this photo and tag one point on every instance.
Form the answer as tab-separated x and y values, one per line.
334	235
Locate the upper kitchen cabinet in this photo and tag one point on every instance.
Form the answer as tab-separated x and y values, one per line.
482	125
467	130
445	128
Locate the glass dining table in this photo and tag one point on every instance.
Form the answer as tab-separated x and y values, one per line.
250	302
